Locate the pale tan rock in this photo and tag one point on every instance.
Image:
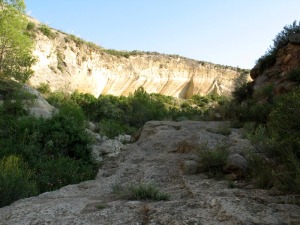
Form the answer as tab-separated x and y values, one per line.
96	72
38	107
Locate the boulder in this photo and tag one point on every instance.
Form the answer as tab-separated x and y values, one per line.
236	164
108	148
190	167
92	126
38	107
123	138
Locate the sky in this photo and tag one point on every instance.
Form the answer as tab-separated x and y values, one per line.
226	32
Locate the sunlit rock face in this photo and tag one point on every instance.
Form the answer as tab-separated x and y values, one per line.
68	64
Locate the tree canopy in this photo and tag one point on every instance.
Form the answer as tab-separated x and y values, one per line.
15	46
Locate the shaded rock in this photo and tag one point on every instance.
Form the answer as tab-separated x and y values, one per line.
38	107
108	148
190	167
123	138
135	137
236	164
97	137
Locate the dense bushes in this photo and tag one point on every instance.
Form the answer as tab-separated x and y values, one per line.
120	115
16	180
284	122
275	132
39	154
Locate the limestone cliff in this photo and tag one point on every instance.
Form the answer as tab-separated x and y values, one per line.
68	63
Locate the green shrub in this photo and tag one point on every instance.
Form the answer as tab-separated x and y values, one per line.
55	173
67	136
111	128
47	31
60	61
294	75
261	171
141	191
58	98
144	108
56	150
14	108
223	129
44	88
279	165
125	54
265	92
30	26
16	180
243	92
213	160
259	112
284	122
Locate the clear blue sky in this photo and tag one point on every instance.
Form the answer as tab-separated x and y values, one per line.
227	32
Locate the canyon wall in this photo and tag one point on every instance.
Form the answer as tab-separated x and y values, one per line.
68	63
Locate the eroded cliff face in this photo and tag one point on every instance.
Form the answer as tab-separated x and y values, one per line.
69	64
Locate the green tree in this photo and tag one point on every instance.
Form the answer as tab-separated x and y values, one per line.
15	46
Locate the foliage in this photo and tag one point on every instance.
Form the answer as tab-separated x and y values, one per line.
118	115
60	61
280	41
261	171
143	107
44	88
140	191
294	75
272	126
284	123
56	151
112	128
55	173
264	92
213	160
15	57
47	31
222	129
16	180
30	26
124	54
243	92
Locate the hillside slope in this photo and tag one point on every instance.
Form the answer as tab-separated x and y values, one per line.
69	63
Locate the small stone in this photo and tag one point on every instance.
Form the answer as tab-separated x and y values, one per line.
189	167
236	164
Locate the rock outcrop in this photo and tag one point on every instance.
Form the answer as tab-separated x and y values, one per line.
68	63
287	60
159	157
38	107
